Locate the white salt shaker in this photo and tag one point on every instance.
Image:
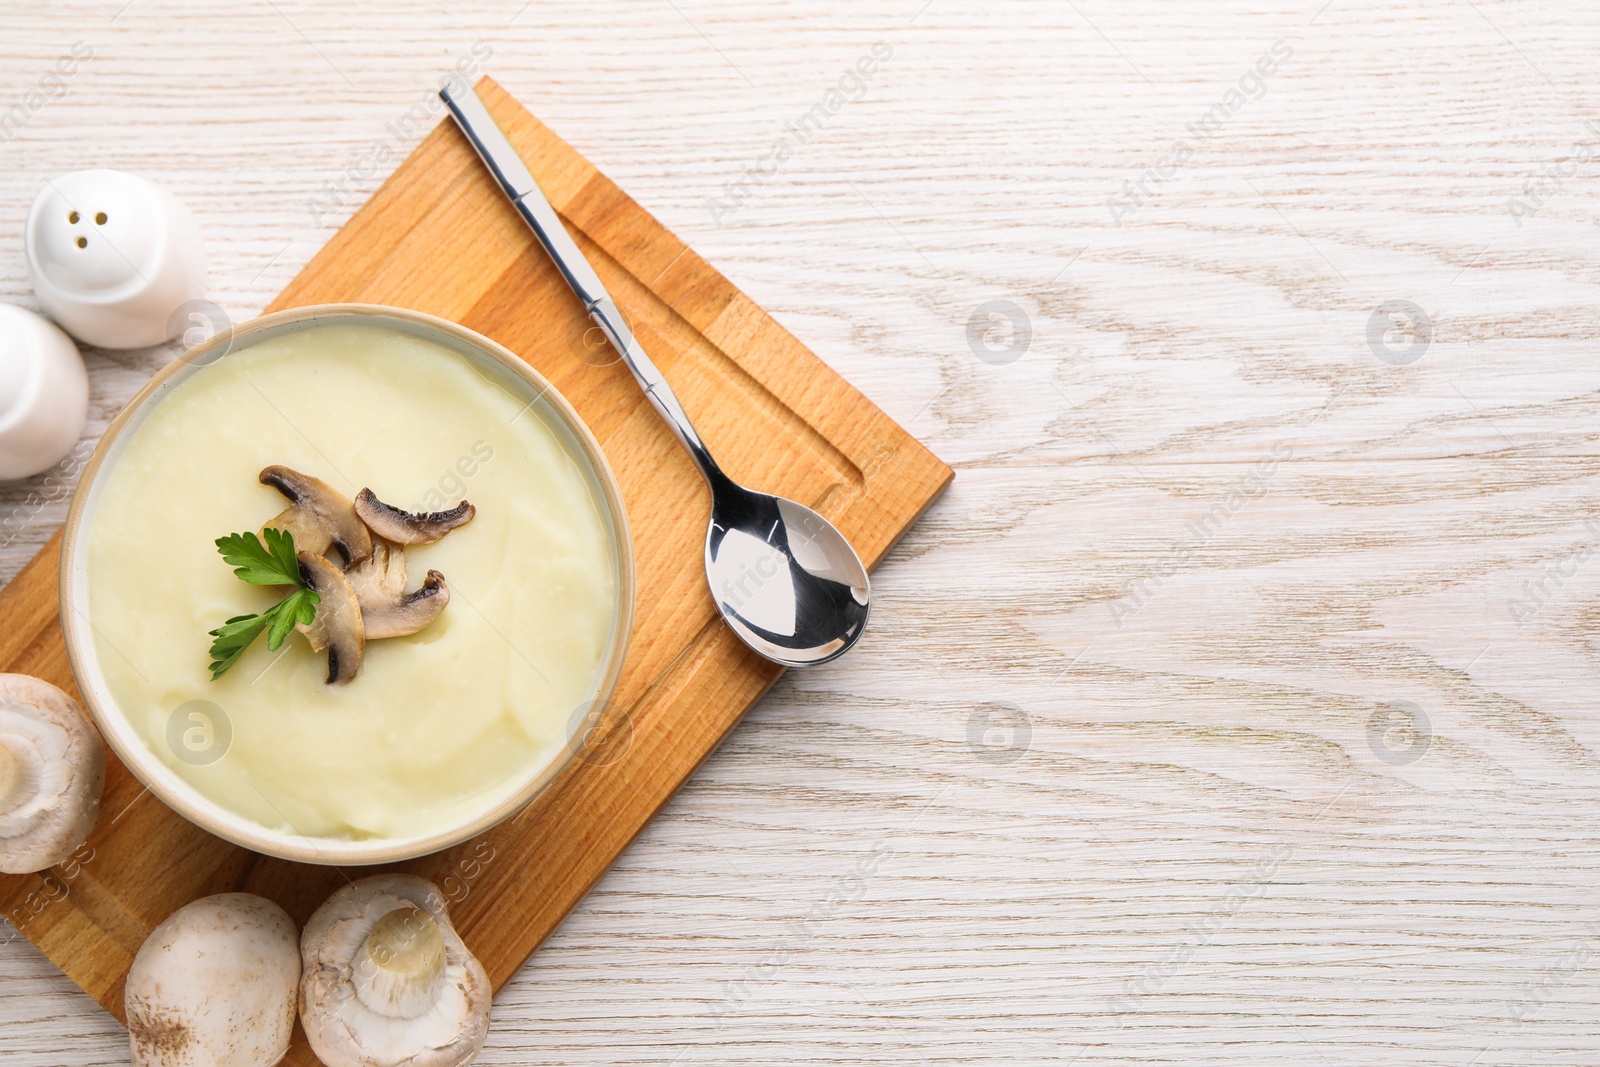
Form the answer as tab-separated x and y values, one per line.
113	257
44	393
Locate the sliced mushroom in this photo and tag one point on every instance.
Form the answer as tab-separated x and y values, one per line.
387	610
337	625
388	982
319	516
409	527
52	769
214	986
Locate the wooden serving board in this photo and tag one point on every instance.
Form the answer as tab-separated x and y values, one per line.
439	237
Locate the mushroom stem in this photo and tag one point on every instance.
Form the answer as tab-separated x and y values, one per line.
11	780
400	965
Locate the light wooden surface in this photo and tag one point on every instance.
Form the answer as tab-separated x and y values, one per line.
1199	854
779	415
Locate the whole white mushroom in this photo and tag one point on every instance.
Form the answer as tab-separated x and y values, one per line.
388	983
52	770
214	986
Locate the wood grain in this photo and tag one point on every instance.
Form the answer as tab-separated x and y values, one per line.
1119	892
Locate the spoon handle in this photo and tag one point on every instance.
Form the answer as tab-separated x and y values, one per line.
517	181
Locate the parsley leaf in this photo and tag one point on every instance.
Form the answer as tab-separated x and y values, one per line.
298	606
272	563
232	638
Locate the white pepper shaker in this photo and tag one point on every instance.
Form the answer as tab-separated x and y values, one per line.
44	393
114	257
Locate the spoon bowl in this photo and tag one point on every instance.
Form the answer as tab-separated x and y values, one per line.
784	578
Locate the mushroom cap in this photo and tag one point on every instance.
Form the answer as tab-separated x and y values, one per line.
52	771
387	610
214	986
344	1031
319	516
409	527
337	625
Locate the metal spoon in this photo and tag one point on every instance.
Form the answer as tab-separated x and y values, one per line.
784	578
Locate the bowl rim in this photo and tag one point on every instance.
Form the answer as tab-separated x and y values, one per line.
188	801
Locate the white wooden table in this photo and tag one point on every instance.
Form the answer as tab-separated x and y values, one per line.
1237	704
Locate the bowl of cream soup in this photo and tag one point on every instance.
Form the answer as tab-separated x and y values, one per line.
458	714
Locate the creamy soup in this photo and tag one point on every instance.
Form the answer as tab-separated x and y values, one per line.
438	726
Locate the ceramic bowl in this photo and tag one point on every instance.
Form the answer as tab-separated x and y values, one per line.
149	767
